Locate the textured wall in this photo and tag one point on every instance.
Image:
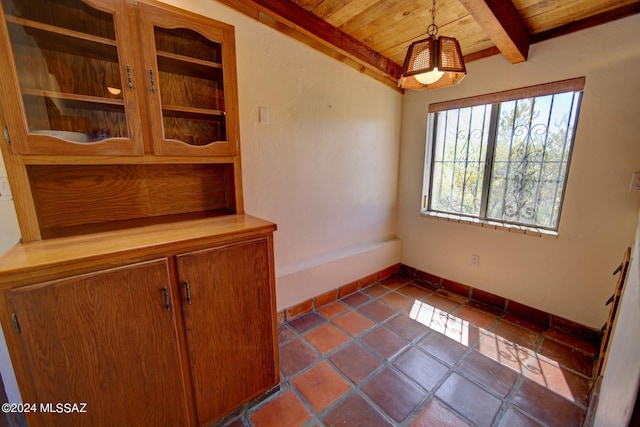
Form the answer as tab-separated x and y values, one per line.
324	168
9	236
569	276
9	231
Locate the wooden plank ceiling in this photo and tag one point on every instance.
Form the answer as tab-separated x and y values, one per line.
373	35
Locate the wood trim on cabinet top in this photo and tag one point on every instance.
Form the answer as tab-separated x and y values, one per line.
49	259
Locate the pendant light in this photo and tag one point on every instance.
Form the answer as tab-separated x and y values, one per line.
433	62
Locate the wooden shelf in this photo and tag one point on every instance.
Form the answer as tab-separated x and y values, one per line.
73	199
187	66
95	101
86	229
27	23
58	39
188	59
190	112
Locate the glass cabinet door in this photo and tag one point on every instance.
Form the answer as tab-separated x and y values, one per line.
189	76
74	76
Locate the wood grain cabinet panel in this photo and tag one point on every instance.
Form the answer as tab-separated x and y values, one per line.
165	325
229	325
106	339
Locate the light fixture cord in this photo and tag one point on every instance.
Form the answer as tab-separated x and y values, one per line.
432	29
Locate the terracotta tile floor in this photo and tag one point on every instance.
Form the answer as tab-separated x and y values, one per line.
398	353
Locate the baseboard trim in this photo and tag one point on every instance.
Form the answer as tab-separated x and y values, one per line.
593	403
513	311
311	304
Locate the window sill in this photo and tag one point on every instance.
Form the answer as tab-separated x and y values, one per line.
511	228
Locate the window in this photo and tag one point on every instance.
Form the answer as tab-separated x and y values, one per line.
503	157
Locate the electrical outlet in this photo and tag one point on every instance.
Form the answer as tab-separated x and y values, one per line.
475	260
5	191
635	182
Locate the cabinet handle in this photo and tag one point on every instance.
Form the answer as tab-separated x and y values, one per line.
6	135
153	81
15	323
165	292
129	78
188	291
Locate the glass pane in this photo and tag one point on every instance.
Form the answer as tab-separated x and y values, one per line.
533	146
68	69
459	153
191	86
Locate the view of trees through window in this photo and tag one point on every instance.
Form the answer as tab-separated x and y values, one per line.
506	162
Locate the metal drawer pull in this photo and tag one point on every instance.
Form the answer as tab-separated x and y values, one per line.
153	82
166	298
129	77
188	291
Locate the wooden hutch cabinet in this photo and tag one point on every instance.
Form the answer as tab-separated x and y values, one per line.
140	286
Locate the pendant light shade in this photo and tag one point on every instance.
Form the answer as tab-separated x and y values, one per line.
433	62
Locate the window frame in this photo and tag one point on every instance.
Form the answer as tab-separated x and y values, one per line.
495	99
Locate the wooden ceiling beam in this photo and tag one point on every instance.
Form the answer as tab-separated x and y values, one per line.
294	19
502	23
592	21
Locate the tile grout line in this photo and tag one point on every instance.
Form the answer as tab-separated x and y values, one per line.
429	395
388	363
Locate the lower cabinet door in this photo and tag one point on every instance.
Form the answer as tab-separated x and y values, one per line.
229	325
103	348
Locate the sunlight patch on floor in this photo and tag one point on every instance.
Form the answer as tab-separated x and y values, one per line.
536	367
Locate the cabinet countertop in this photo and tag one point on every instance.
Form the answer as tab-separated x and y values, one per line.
26	261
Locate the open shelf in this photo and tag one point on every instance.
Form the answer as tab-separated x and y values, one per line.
84	229
76	199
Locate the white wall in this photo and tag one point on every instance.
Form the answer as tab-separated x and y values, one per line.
621	375
9	231
571	275
324	168
9	236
